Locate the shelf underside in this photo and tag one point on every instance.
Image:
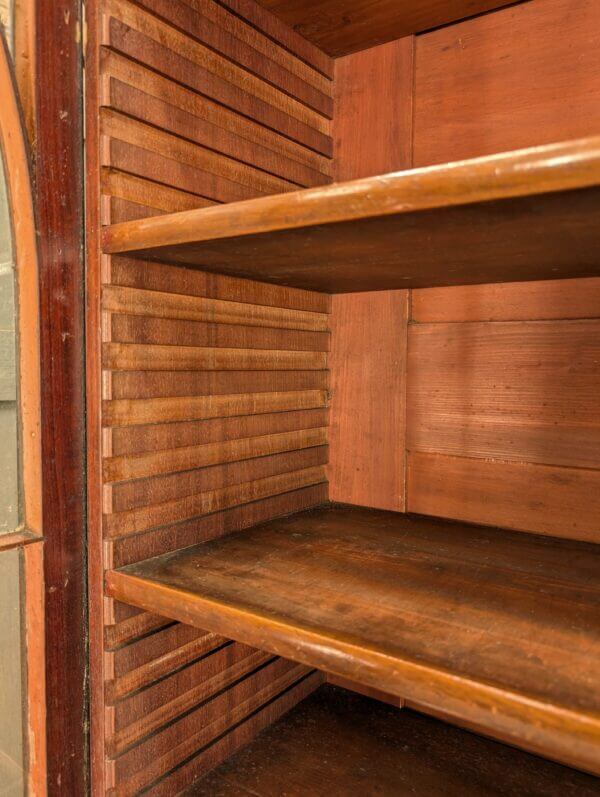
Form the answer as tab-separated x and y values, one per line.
337	743
497	630
525	215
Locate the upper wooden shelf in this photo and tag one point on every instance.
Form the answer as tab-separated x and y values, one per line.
497	630
525	215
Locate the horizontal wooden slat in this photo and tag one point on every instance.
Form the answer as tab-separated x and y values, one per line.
134	521
158	304
133	628
160	667
525	391
157	489
198	26
226	170
127	441
237	738
181	535
130	412
272	48
154	166
509	301
117	211
226	72
144	192
136	273
280	173
149	648
175	332
562	502
183	703
143	764
133	87
157	384
272	27
134	357
179	459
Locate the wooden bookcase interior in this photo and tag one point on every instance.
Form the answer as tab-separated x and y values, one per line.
342	268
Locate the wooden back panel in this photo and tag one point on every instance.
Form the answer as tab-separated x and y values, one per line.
214	391
502	380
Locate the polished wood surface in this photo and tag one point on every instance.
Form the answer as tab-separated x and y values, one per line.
495	629
59	222
337	743
373	111
521	215
344	26
523	76
367	406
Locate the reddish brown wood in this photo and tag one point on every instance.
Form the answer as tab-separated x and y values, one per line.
490	219
509	301
523	76
367	426
496	629
59	180
345	26
372	126
525	391
561	502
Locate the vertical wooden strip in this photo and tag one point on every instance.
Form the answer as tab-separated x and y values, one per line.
59	178
368	366
373	108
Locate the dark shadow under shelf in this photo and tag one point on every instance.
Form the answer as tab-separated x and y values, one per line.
336	744
497	629
525	215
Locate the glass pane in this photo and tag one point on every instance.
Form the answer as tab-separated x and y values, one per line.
11	686
9	481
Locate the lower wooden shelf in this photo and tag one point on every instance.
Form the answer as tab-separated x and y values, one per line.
336	743
497	630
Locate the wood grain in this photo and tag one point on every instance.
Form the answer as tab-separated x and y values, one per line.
367	426
119	524
195	103
526	680
345	26
59	220
372	127
523	76
180	459
497	218
521	391
137	357
562	502
510	301
160	304
125	412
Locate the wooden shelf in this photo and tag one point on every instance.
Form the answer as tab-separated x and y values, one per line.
525	215
336	743
497	630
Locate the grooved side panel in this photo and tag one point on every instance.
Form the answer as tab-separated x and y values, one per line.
211	393
368	367
199	106
216	455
